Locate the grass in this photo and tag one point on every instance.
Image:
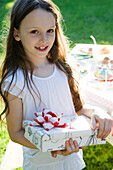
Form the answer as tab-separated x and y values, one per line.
5	7
4	139
88	17
82	18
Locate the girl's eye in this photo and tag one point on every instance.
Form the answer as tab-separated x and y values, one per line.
34	32
50	31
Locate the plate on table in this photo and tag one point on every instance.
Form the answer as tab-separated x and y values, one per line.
81	56
104	75
86	50
94	81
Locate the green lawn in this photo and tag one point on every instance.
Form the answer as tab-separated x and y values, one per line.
82	18
88	17
5	7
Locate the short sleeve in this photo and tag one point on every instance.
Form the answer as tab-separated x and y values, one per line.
15	87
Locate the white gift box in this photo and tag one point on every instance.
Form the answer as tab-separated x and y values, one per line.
78	129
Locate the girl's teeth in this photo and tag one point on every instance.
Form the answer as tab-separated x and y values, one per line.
42	48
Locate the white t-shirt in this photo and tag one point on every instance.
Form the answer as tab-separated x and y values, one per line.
55	95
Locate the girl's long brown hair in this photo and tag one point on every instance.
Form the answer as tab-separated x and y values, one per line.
16	58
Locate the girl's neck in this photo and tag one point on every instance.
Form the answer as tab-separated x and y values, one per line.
43	69
41	64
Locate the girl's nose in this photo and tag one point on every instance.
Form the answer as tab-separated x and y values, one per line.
43	38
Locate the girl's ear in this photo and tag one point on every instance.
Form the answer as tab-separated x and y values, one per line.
16	35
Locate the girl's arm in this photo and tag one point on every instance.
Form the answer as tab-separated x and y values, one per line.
99	119
14	122
16	132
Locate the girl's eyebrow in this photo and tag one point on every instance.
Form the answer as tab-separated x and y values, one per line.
34	27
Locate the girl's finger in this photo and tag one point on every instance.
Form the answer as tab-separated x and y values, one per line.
104	128
101	131
72	145
68	147
107	130
76	146
93	122
54	154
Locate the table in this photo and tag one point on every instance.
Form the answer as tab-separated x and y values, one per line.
95	92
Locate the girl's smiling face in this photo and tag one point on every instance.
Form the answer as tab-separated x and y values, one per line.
37	34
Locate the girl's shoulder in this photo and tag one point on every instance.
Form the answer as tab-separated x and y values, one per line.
14	83
16	79
18	76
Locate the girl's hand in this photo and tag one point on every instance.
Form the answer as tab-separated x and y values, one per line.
99	119
104	125
71	147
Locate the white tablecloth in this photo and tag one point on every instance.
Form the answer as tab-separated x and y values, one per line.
99	93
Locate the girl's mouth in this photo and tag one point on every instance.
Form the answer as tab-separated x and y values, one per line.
42	48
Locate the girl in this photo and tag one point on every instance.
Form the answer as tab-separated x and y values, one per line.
35	75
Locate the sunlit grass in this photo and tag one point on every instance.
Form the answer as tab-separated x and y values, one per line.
4	22
9	5
88	17
5	9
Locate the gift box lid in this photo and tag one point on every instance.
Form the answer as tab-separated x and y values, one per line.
76	126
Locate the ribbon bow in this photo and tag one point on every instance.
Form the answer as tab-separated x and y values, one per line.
48	119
